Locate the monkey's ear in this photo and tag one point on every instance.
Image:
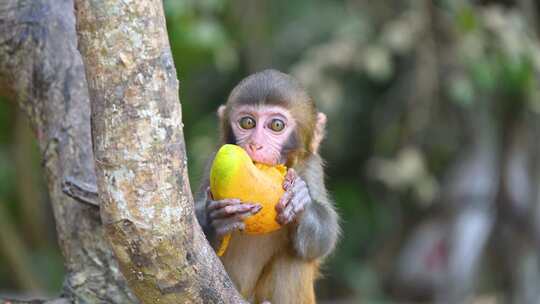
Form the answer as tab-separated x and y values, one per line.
319	132
221	112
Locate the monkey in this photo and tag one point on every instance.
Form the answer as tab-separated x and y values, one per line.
271	116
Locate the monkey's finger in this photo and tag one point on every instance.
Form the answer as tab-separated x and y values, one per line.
237	218
287	214
289	179
285	217
230	227
222	203
209	194
296	206
291	174
230	210
284	200
256	207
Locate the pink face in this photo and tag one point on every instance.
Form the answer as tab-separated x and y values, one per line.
262	131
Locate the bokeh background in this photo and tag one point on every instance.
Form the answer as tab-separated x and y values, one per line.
432	149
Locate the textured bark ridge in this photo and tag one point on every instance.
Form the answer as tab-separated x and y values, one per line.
42	69
146	204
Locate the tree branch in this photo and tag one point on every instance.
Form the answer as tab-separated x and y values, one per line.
146	202
81	191
42	69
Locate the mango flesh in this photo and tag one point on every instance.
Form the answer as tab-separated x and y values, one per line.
234	175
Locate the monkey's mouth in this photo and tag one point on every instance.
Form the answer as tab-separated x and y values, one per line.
263	159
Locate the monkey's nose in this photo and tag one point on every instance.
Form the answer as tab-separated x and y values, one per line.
254	147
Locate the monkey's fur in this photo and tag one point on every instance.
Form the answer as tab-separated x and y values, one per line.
280	267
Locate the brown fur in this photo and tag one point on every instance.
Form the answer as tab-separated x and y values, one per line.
281	267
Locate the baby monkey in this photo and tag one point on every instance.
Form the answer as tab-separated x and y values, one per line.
274	120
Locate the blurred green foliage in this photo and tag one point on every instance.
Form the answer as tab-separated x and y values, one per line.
395	78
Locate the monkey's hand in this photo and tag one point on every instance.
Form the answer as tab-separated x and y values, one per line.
226	216
294	200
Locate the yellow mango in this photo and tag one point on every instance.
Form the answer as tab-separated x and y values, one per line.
234	175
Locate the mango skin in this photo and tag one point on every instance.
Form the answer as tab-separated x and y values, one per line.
234	175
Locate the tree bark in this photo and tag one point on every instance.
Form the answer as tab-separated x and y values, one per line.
42	70
146	203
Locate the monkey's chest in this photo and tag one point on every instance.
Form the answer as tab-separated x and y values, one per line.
248	255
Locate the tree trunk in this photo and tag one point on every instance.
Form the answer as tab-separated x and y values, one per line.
42	70
147	207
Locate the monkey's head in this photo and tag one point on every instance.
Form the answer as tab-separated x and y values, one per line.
272	117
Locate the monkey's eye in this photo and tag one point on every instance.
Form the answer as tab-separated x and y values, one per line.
277	125
247	123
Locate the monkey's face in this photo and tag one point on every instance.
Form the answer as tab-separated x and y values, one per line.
263	131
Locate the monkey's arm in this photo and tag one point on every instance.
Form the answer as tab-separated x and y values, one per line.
201	199
316	230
